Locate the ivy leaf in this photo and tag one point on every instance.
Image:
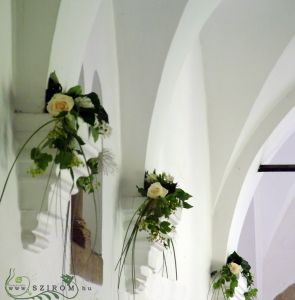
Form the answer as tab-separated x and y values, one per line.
40	159
187	205
92	163
85	183
182	195
64	159
165	227
75	91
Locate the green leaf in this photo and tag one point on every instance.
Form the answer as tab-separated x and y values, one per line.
95	133
54	78
165	227
88	116
92	163
55	295
47	296
94	99
40	159
64	159
102	115
187	205
75	91
35	153
53	87
182	195
85	183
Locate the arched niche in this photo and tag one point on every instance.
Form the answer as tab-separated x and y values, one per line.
70	38
240	185
87	214
95	221
268	126
192	21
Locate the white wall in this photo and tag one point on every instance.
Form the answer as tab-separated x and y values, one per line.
33	29
183	151
144	31
98	53
101	57
9	213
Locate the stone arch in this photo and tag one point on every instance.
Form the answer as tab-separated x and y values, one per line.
239	185
270	108
70	38
96	85
187	32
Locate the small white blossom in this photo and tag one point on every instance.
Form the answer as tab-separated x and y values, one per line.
169	178
105	129
151	177
84	102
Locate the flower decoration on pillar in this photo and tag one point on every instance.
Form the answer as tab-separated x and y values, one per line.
226	280
62	145
161	199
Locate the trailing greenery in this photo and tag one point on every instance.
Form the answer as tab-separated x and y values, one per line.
162	199
226	279
63	146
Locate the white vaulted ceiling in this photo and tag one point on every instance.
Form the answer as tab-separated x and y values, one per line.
246	50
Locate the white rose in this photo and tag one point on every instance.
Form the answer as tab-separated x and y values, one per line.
60	103
84	102
235	268
156	190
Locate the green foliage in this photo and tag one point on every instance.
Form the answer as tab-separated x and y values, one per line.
64	139
94	132
75	91
226	281
154	217
162	207
41	161
86	183
92	163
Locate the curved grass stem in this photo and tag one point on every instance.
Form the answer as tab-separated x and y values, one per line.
19	153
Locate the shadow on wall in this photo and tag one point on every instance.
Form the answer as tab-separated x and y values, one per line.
5	128
287	294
